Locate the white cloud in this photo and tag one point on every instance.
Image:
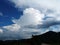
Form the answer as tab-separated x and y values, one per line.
13	27
30	16
1	31
54	4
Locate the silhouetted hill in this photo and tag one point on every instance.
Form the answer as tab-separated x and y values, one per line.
49	37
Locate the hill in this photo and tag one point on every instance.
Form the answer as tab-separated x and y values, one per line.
50	37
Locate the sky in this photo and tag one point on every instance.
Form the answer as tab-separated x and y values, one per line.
22	19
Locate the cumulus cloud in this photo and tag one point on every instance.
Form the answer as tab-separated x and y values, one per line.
39	16
30	16
13	27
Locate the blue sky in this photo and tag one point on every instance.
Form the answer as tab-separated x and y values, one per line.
8	11
22	19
